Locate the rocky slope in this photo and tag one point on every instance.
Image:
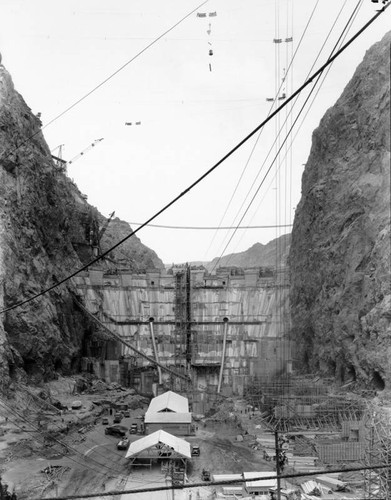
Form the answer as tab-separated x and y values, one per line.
47	230
132	254
272	254
340	250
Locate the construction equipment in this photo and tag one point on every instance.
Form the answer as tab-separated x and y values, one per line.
82	153
58	159
205	475
98	234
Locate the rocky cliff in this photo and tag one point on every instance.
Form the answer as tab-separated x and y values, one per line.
47	230
340	250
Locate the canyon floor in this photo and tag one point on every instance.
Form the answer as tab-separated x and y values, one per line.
45	454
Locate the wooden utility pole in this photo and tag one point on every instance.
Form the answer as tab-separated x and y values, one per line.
278	471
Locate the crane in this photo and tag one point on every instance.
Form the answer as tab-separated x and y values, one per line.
58	159
92	145
97	236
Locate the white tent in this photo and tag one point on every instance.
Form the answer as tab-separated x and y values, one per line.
169	402
160	444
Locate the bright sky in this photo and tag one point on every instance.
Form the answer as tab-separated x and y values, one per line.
190	116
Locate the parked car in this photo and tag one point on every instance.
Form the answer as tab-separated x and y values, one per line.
195	450
117	417
205	476
126	413
116	430
123	444
105	421
133	429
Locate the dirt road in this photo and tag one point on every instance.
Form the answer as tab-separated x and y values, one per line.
93	463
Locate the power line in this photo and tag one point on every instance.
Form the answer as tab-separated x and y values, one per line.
112	75
260	133
40	401
68	447
212	169
353	15
291	128
277	92
41	438
137	351
207	228
219	483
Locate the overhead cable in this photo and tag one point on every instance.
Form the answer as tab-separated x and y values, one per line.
210	170
188	486
207	228
103	82
41	437
275	142
354	13
259	135
118	337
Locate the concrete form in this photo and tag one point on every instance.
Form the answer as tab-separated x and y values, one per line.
188	324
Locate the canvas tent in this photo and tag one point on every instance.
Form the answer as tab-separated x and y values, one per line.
157	447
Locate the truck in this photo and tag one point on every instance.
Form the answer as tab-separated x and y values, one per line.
117	417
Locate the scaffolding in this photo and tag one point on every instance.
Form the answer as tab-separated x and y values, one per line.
180	303
378	452
182	330
295	403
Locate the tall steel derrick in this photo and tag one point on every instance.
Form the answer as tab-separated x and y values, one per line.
182	330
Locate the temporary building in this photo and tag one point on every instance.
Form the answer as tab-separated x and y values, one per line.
259	486
228	477
168	412
178	424
169	401
159	446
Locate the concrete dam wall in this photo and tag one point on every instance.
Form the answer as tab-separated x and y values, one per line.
195	317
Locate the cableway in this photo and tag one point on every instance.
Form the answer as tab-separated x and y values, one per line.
208	228
288	134
288	71
103	82
210	170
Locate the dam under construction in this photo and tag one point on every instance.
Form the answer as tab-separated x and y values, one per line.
218	338
218	332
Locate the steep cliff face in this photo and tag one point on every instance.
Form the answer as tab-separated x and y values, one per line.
46	232
340	250
132	254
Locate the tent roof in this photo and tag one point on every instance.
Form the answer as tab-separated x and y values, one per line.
179	445
227	477
171	401
262	483
167	418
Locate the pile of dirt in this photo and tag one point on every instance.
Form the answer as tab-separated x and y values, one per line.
226	413
23	448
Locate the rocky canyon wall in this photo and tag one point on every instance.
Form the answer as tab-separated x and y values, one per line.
45	226
340	250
